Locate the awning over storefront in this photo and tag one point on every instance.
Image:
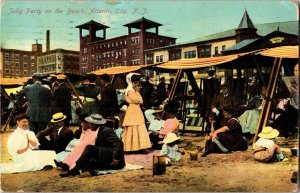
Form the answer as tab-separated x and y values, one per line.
117	70
13	81
281	52
199	62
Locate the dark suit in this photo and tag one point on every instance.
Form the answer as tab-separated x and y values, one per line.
108	147
58	142
39	98
109	102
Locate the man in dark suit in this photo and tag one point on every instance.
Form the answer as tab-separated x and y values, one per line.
39	98
109	100
57	136
107	153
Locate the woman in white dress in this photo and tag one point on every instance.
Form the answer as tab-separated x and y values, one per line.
20	146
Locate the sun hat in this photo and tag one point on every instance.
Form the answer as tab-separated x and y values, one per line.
95	119
268	133
171	137
57	117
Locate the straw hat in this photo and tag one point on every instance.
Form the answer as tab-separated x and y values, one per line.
57	117
268	133
95	119
171	137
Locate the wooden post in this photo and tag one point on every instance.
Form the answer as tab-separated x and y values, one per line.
74	91
175	85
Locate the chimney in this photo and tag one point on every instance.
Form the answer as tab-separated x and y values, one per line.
48	41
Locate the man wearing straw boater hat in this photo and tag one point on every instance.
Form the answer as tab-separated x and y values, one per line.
265	149
57	136
107	153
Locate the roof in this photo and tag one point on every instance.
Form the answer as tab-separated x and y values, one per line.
95	25
246	22
290	27
147	24
241	44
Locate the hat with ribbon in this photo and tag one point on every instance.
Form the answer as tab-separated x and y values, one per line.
95	119
57	117
171	137
268	133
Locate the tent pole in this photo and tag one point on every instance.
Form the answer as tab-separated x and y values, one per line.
264	103
175	85
74	91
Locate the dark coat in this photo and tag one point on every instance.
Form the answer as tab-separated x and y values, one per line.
61	101
108	147
39	98
109	101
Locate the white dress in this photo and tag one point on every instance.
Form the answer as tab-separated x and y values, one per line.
31	160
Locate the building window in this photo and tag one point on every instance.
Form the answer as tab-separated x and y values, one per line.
108	45
25	57
134	40
84	50
6	63
157	59
125	42
116	44
135	51
17	64
84	70
25	65
25	73
7	71
124	51
190	54
32	57
216	50
17	72
223	47
7	56
17	56
161	58
204	51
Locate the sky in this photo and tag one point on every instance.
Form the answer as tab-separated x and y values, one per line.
25	21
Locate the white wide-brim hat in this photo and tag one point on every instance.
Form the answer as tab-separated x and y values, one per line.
171	137
57	117
95	119
268	133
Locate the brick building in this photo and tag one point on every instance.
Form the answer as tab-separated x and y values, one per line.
98	52
19	63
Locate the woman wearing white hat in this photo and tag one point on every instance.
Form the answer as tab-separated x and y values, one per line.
265	149
135	136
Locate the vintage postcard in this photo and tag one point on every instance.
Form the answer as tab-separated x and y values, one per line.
149	95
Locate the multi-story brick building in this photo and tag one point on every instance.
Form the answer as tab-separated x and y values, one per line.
99	52
57	60
19	63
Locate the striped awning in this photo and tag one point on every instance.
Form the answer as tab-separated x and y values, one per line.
117	70
281	52
13	81
198	62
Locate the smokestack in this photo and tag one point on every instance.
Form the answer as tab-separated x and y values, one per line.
48	41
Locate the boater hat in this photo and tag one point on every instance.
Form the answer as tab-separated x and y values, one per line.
171	137
268	133
95	119
57	117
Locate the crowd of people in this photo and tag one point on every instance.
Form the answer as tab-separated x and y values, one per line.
111	126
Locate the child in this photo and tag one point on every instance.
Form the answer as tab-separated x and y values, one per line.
265	149
170	149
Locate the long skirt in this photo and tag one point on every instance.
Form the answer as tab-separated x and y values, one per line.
135	138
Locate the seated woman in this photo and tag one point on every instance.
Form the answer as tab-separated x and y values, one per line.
88	137
228	137
20	146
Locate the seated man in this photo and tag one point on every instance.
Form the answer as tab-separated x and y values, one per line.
57	136
107	153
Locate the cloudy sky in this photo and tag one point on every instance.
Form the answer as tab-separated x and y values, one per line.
24	21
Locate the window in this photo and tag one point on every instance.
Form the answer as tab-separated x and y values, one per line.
204	51
135	51
17	64
161	58
84	50
216	50
124	51
17	56
25	73
6	63
17	72
135	40
25	65
32	57
157	58
7	71
223	47
108	45
7	56
125	42
84	70
190	54
25	57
